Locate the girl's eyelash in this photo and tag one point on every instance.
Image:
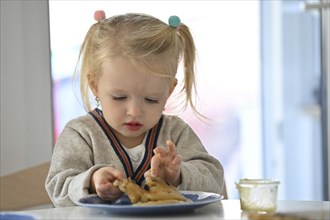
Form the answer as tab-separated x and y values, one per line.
151	100
120	98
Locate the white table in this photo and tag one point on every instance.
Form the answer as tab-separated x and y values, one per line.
226	209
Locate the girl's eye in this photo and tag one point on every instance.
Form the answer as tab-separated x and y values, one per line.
121	98
151	100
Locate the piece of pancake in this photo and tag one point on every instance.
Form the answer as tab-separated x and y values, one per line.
155	191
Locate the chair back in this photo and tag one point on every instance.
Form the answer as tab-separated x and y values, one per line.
25	189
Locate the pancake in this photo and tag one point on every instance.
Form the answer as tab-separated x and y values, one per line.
155	191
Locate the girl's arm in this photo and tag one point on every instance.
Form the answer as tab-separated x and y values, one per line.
200	171
71	168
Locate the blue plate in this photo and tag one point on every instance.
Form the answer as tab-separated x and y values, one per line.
15	216
124	206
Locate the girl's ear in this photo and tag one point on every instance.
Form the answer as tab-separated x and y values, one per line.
174	83
92	84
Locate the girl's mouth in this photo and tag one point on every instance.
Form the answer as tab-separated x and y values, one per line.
133	126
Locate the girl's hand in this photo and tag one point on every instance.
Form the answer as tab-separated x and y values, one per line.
166	164
102	183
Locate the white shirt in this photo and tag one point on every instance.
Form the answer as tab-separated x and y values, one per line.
136	154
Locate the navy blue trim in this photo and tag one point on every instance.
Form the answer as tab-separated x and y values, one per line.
151	136
113	144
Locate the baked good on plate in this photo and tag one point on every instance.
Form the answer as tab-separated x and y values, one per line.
155	191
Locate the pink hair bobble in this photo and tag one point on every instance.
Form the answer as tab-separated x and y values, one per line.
99	15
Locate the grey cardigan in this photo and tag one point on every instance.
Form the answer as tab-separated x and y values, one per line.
85	146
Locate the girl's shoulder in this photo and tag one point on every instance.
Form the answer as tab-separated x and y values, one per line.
170	121
177	130
80	127
82	122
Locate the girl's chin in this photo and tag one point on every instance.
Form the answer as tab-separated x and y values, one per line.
133	134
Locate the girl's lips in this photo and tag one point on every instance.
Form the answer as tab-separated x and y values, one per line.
133	126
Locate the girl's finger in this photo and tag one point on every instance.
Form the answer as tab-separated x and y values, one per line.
116	173
155	163
177	159
160	150
147	173
170	146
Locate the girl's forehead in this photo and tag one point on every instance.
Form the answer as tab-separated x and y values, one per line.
121	73
121	66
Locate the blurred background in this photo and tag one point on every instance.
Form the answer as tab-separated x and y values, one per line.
263	79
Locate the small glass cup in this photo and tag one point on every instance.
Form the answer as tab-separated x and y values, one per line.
258	195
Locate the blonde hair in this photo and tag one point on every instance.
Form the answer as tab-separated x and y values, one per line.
149	44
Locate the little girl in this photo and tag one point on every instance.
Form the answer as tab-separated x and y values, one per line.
129	63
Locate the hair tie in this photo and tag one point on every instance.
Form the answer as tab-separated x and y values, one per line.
174	21
99	15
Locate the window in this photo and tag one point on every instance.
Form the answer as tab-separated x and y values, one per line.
291	79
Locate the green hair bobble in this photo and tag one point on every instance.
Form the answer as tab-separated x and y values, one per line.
174	21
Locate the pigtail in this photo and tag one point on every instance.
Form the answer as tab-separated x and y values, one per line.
189	58
83	65
85	60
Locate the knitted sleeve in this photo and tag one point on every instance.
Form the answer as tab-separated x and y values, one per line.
200	171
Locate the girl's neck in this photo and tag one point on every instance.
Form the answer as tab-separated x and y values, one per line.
130	142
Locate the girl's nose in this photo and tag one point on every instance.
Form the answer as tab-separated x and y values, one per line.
135	109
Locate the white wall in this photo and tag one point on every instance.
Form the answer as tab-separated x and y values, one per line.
26	103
